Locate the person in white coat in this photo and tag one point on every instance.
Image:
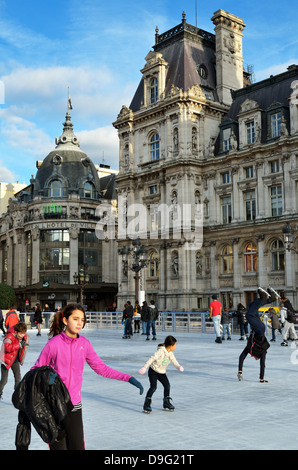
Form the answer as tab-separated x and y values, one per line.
157	372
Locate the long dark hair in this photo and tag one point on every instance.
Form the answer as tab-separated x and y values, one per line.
57	325
169	341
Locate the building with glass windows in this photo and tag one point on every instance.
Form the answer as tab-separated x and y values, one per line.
199	133
51	249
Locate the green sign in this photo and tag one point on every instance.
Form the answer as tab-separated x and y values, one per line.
45	284
52	209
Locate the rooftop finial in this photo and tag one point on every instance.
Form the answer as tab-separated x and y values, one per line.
156	35
69	105
183	17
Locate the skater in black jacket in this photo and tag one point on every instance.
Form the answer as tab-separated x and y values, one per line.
257	336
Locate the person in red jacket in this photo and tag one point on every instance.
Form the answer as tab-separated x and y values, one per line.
13	353
11	318
215	314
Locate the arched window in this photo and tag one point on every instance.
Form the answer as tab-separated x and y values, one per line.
251	258
154	147
227	259
56	189
153	265
277	255
154	90
89	190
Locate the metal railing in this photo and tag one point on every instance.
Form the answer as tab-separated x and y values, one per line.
167	321
192	322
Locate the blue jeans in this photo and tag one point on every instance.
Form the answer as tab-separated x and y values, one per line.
150	324
127	327
144	327
226	327
216	323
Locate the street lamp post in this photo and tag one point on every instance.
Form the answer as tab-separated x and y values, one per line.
138	252
82	279
288	234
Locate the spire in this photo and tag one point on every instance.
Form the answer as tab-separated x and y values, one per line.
68	138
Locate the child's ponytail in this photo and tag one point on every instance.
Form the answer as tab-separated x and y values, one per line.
169	341
57	325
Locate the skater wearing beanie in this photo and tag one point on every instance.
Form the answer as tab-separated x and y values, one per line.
157	372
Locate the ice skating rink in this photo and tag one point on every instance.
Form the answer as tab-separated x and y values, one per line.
214	411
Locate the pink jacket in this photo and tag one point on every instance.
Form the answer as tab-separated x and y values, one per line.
67	356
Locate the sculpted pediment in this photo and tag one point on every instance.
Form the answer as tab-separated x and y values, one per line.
249	105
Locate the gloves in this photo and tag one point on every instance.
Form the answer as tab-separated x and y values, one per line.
181	368
142	370
137	384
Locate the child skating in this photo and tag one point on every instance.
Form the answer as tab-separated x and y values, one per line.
66	352
157	372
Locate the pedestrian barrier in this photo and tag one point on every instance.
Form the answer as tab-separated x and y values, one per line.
192	322
167	321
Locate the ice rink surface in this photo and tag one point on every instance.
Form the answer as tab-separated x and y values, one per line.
214	411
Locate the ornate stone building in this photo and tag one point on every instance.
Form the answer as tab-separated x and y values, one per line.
49	232
198	133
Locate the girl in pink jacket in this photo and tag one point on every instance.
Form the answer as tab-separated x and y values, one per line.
66	352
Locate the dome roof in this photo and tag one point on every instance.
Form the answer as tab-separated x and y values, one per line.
68	165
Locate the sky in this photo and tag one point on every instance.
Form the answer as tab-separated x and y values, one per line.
96	49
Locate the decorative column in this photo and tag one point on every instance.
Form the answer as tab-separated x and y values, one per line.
35	233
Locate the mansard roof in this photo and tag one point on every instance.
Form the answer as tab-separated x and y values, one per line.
275	89
185	48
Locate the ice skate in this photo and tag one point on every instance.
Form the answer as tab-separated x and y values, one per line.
239	375
147	405
167	406
263	294
284	343
273	294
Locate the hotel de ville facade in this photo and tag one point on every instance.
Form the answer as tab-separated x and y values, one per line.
197	134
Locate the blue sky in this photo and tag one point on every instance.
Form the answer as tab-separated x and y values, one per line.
97	48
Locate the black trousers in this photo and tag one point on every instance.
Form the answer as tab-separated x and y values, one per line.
74	433
153	378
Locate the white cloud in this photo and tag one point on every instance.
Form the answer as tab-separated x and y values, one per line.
101	144
96	93
274	70
23	134
6	174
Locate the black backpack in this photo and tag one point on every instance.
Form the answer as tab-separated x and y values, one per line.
258	346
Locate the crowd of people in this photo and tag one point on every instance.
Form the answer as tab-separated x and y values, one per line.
146	314
61	362
283	323
257	343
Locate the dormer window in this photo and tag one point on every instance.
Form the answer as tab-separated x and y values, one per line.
154	90
227	140
275	125
154	75
89	190
277	116
56	189
250	132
